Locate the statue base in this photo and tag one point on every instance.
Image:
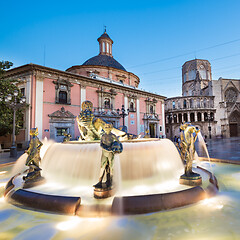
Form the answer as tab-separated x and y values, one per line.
103	192
194	179
33	182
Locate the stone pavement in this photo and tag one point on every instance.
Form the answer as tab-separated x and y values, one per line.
5	159
226	148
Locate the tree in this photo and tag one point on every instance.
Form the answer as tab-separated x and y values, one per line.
7	86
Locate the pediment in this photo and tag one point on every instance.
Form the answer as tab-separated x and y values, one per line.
61	114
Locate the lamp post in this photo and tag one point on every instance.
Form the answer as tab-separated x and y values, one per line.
170	118
123	114
209	118
11	101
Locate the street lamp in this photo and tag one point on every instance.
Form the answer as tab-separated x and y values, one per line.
123	114
209	118
11	101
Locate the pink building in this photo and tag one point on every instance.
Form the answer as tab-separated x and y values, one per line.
55	97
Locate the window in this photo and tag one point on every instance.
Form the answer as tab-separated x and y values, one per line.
185	104
107	47
199	117
205	117
192	117
61	131
231	95
103	47
131	107
173	104
151	109
22	90
160	128
107	103
62	97
175	118
185	117
180	117
121	81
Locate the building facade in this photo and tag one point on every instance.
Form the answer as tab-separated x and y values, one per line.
211	105
55	97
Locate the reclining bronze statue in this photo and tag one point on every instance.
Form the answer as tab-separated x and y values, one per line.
91	128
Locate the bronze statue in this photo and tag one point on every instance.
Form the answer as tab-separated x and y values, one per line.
67	137
110	146
33	159
188	138
91	128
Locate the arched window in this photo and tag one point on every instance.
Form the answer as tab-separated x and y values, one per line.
103	47
211	116
107	103
185	117
175	118
180	117
231	95
62	97
199	117
185	103
131	107
173	105
205	117
192	117
191	103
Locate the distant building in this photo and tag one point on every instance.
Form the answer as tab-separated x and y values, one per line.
211	105
55	97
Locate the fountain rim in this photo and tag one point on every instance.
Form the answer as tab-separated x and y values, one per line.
132	205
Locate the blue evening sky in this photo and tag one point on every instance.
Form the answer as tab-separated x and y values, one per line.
152	39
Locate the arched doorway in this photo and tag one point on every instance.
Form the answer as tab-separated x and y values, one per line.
234	124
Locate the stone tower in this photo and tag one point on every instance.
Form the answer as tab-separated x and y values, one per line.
196	76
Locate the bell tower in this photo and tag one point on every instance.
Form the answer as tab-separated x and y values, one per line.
105	44
196	75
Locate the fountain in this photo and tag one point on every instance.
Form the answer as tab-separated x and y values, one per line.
142	178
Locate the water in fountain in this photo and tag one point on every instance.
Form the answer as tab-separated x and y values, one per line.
142	164
203	146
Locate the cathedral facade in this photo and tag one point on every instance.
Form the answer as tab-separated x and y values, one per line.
55	98
211	105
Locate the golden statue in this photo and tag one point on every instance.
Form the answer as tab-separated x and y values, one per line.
188	137
91	128
33	160
110	145
67	137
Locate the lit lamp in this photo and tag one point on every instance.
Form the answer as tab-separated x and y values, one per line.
11	101
123	114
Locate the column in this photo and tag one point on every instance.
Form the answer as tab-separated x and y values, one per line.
163	120
39	105
202	117
126	107
188	116
195	114
138	116
83	94
28	110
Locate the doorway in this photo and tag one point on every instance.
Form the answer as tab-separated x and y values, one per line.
152	128
233	127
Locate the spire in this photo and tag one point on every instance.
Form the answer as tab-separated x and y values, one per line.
105	44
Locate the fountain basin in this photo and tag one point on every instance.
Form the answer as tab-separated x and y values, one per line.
147	176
